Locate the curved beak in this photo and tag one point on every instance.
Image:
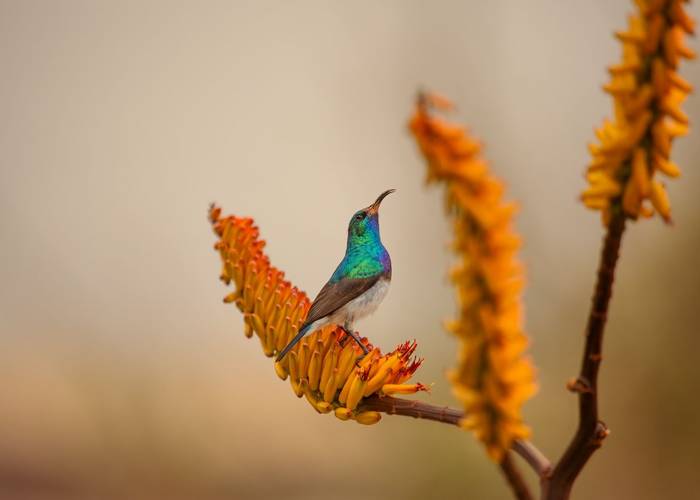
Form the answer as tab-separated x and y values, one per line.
374	207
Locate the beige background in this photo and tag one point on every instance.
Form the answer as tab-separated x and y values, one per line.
121	373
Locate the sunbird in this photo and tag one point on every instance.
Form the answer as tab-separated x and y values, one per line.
359	283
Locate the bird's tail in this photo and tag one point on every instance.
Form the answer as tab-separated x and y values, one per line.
294	342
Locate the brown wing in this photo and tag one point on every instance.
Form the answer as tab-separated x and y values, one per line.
333	296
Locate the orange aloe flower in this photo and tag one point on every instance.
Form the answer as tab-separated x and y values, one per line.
493	378
324	367
647	95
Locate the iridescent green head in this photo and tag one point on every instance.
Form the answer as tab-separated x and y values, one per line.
364	225
365	255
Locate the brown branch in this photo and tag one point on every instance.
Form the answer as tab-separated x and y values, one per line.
533	456
447	415
410	408
515	479
591	431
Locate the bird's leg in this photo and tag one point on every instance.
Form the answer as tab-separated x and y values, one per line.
348	329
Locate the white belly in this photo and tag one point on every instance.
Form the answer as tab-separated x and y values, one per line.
363	305
357	308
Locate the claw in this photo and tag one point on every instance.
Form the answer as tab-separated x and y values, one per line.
354	335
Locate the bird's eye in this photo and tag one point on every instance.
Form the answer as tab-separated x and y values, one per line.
360	216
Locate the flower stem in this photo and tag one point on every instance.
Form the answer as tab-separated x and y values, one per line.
515	479
415	409
591	431
452	416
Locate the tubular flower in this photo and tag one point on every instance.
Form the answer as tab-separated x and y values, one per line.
647	93
493	378
324	367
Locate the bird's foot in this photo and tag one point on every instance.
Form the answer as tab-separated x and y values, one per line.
356	337
360	358
365	349
351	334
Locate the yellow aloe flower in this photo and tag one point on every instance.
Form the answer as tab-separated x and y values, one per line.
493	378
647	93
323	367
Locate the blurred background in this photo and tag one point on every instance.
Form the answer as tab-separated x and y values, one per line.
122	374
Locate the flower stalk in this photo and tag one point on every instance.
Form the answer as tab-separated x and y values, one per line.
634	149
591	431
492	378
324	368
647	93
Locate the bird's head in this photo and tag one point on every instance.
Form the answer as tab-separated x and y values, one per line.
364	225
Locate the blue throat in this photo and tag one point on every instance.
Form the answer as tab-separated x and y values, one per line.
365	256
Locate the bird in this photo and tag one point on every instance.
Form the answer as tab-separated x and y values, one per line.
359	283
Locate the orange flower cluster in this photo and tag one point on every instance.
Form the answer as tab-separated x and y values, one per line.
324	367
492	379
647	92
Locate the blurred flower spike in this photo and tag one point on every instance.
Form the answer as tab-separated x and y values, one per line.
647	93
325	367
493	378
